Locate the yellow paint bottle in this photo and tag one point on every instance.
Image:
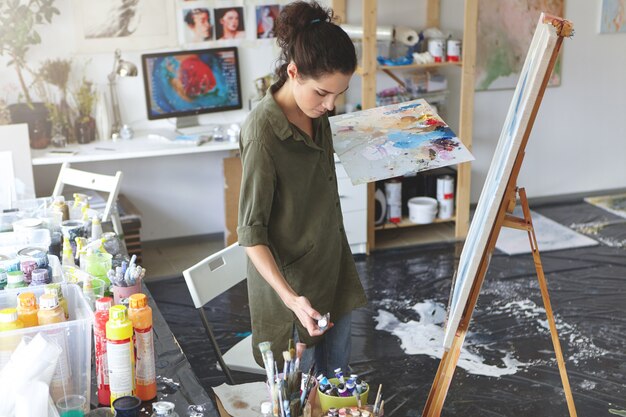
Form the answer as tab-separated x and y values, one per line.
120	353
27	309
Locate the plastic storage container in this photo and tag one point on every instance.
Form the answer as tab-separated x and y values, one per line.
328	401
77	331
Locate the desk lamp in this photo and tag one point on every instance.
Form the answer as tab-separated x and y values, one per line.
121	68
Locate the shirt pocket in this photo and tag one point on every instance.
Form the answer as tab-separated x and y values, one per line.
299	259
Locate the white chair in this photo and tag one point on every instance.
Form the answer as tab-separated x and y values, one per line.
206	280
98	182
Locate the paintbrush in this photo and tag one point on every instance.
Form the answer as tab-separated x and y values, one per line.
268	362
306	387
287	359
376	403
300	348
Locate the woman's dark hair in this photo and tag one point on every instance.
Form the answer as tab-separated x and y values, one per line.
308	36
191	13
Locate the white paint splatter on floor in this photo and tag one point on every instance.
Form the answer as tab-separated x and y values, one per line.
425	337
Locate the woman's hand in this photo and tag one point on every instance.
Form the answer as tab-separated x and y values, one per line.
307	315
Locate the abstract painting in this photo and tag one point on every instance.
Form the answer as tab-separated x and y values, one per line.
505	28
613	18
104	25
517	126
394	140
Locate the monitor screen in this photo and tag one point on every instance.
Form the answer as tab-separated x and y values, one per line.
185	83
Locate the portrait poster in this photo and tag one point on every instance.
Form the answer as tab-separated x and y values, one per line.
505	28
266	16
395	140
613	16
229	23
105	25
197	24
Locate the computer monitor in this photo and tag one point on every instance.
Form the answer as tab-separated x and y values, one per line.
184	84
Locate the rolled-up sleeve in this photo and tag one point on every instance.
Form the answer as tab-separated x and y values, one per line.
258	182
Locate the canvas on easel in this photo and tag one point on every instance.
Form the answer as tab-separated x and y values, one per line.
495	204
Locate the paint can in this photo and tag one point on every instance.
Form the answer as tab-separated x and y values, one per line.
436	47
393	194
445	196
453	50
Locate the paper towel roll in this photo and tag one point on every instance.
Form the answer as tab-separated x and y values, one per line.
406	35
383	33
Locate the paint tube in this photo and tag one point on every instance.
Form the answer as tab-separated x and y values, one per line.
323	322
339	375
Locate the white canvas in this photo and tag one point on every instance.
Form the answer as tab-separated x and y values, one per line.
550	236
526	94
395	140
7	179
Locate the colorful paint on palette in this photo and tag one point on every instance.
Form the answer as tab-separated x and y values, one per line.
394	140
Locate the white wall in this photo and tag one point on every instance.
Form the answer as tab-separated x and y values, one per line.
578	142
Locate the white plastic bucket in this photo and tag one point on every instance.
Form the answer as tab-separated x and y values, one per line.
422	210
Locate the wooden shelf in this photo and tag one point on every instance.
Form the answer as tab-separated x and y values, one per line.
456	228
405	222
360	70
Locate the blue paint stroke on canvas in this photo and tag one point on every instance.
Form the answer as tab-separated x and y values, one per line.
394	140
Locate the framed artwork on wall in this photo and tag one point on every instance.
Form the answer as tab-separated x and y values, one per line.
104	25
613	16
505	29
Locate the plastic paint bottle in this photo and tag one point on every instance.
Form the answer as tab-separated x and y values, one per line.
9	321
141	315
68	255
100	346
96	228
59	206
27	309
55	289
50	312
15	279
120	353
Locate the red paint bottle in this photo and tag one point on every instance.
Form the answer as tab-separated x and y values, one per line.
100	344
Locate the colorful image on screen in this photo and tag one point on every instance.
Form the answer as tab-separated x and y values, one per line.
192	82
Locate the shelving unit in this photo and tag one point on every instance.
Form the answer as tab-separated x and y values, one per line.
439	230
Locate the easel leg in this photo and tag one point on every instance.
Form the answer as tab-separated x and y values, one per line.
543	285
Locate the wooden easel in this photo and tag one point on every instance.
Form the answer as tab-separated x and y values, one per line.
504	218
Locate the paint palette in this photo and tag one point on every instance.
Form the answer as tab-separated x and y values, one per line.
395	140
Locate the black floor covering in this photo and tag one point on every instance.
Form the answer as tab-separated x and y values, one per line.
408	288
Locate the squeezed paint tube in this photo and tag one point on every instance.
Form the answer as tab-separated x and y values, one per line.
323	322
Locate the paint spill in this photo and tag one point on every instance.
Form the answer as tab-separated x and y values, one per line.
425	337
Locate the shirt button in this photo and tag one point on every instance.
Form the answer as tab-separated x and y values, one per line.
337	204
330	178
341	229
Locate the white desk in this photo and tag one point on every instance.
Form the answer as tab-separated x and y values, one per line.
177	187
141	146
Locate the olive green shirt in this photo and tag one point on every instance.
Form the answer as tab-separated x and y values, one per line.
290	203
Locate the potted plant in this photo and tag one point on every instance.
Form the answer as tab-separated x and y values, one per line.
85	124
18	20
56	72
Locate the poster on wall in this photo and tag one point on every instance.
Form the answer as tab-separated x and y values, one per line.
197	24
505	29
229	23
265	19
613	17
104	25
